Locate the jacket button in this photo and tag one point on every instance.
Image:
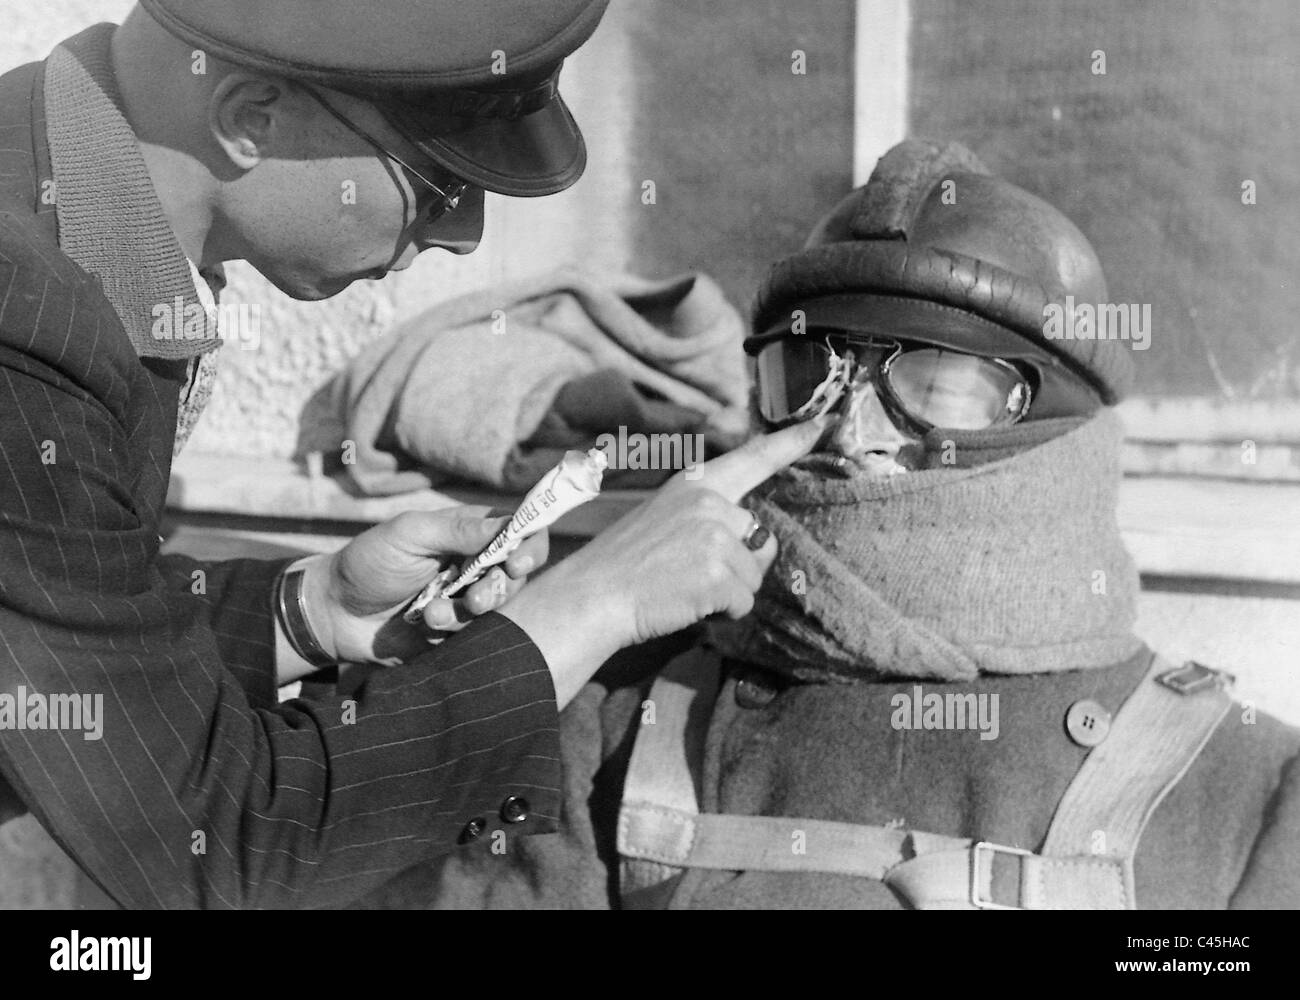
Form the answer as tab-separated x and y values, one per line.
514	809
753	692
473	830
1087	722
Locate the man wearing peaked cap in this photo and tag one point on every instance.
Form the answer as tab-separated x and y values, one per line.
136	160
474	86
300	97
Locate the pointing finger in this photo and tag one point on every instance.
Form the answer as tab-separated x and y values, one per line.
737	472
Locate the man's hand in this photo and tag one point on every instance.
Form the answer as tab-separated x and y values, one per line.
355	596
673	561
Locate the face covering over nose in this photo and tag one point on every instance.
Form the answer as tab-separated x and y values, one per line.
866	437
999	555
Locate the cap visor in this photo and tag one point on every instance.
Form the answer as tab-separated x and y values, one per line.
537	154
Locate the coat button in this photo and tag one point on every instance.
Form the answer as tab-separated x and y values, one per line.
473	830
514	809
752	692
1087	723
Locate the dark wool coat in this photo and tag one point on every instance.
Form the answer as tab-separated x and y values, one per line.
1227	836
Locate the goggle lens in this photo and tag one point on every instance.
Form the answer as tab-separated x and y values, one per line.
788	373
960	391
930	386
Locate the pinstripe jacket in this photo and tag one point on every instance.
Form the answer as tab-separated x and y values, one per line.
199	790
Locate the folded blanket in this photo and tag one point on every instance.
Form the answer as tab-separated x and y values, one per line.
492	387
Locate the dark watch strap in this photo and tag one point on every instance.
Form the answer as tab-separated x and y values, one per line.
292	611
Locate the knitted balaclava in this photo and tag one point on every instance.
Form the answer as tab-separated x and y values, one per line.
1002	554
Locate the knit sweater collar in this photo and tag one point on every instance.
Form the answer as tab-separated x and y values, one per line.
110	219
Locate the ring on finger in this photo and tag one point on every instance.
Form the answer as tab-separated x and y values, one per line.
756	536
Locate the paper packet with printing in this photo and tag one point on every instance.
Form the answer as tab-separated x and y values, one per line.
574	481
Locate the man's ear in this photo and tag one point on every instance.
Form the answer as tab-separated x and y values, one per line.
246	116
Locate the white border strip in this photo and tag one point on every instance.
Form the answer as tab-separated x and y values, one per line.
882	30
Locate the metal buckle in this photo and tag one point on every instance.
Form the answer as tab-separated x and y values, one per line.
1193	677
976	901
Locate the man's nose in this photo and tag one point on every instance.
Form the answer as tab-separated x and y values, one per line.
459	231
865	426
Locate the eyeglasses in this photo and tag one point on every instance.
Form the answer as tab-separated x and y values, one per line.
921	387
448	195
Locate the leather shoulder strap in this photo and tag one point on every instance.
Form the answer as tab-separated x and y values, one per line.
1155	737
659	790
1087	858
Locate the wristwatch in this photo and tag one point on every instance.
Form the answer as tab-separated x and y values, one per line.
291	609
